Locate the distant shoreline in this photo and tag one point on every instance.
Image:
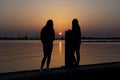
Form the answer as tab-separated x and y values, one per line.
102	41
61	38
83	40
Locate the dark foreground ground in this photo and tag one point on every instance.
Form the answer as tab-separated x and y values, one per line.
102	71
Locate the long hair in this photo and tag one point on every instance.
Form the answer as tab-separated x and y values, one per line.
49	24
76	31
75	24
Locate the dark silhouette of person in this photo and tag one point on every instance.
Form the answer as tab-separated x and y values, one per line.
76	41
47	37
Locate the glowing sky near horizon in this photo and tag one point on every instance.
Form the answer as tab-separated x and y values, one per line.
26	17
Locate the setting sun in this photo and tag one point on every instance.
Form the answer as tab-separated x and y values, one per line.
60	33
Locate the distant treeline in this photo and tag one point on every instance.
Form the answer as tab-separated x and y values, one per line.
19	38
62	38
100	38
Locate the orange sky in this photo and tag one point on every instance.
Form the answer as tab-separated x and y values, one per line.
96	17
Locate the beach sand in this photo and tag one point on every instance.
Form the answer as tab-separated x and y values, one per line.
96	71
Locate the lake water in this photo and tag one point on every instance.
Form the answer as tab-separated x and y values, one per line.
20	55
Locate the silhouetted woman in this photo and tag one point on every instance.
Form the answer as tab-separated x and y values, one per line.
76	40
47	37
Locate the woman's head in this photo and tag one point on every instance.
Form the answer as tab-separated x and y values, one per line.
75	22
49	22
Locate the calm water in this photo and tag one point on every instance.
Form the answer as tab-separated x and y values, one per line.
27	54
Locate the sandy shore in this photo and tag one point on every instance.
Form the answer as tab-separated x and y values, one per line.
95	71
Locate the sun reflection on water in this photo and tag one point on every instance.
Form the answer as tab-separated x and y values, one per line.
60	47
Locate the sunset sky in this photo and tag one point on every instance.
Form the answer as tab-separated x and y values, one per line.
97	18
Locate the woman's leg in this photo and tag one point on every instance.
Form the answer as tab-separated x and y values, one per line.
48	60
43	61
49	54
78	57
45	56
78	53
